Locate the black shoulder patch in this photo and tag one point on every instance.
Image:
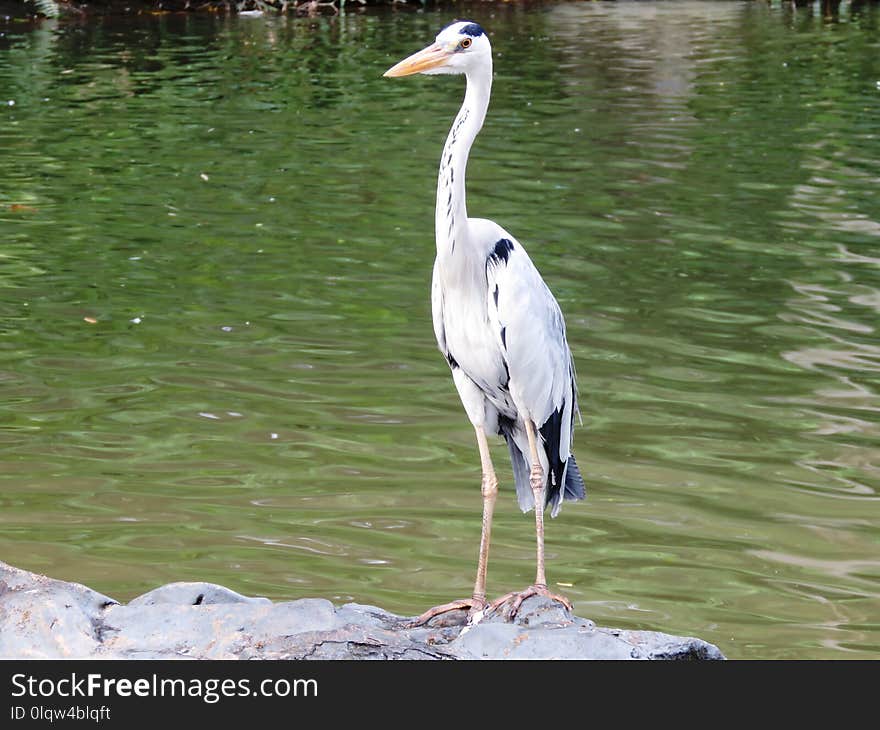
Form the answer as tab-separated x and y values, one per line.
473	30
453	363
501	252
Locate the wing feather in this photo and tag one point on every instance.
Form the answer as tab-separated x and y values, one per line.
530	328
534	341
437	310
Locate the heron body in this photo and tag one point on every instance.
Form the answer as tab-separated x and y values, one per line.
498	325
486	304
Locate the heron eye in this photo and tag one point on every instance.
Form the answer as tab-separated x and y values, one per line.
465	43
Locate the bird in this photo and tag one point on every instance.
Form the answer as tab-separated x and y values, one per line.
499	327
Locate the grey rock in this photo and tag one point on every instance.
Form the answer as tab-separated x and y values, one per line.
193	594
45	618
41	617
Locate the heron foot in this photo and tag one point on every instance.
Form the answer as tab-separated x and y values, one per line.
472	605
516	598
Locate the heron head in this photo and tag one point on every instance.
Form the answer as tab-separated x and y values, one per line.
456	49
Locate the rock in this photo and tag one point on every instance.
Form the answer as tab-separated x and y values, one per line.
193	594
41	617
45	618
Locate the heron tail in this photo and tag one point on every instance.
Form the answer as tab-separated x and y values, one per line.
572	487
521	471
564	480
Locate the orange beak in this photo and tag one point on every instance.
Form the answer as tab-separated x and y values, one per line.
427	58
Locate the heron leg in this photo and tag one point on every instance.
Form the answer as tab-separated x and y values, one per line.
536	479
539	587
489	490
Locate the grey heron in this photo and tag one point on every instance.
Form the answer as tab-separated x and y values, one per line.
499	327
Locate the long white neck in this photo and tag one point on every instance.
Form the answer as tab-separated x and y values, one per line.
451	212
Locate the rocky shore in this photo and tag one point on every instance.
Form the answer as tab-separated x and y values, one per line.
44	618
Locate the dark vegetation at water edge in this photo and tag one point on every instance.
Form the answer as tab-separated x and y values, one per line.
76	8
57	8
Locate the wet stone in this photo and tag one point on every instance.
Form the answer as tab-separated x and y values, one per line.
42	617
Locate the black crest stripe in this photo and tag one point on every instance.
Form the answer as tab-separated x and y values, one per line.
473	30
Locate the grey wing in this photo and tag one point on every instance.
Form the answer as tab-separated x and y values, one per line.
532	335
531	332
437	310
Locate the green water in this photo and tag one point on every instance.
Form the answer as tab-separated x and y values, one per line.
244	208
